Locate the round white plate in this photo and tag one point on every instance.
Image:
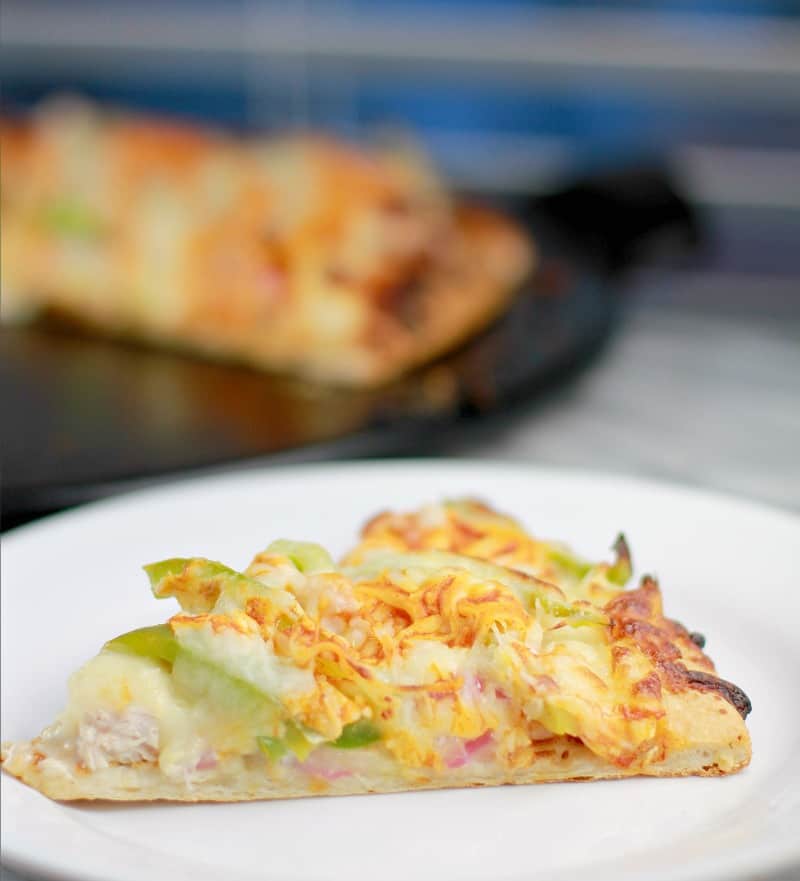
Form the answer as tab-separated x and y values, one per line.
728	569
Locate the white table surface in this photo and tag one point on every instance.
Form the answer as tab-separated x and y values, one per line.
703	399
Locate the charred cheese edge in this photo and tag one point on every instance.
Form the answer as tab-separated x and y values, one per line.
411	665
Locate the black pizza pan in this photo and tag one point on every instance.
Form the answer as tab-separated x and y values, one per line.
85	417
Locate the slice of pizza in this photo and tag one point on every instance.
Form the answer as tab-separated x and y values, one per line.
298	254
407	669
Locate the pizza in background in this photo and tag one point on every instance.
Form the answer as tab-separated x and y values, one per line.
297	254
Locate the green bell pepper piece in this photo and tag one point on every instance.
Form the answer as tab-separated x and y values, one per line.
197	584
273	747
620	571
356	734
307	556
569	562
156	642
193	579
70	218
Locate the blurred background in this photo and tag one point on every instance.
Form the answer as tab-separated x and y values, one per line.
616	120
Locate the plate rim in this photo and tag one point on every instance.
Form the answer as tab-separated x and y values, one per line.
142	490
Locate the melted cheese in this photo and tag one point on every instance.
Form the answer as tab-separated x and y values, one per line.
234	645
472	529
437	649
115	683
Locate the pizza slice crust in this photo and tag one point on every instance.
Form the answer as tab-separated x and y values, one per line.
708	738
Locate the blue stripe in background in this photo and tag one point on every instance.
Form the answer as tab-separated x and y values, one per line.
603	118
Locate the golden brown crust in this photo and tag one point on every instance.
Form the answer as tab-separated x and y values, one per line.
637	616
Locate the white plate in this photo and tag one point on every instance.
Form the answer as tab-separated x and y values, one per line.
728	568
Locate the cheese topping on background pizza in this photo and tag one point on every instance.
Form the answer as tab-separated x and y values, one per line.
298	253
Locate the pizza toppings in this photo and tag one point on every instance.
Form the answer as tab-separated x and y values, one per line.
126	738
452	653
413	658
356	734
